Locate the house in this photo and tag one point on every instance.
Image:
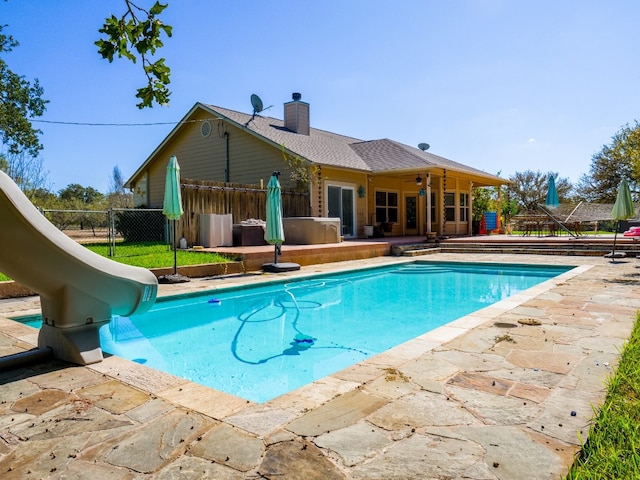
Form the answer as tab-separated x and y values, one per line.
379	183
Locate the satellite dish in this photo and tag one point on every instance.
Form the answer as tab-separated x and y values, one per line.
256	103
423	146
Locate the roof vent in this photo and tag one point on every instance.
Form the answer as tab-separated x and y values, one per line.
296	96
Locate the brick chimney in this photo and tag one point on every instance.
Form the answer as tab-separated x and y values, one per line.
296	115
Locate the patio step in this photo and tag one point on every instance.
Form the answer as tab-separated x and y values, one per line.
569	248
548	248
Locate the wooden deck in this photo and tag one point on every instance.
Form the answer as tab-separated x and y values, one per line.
593	245
253	257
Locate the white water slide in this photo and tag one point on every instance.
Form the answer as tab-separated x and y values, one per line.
79	290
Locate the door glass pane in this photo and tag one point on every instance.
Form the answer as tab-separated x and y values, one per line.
393	215
434	211
334	201
449	207
411	213
347	212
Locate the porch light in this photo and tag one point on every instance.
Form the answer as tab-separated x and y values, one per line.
418	180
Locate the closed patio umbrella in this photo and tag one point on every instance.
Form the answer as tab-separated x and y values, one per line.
274	231
172	209
552	199
622	209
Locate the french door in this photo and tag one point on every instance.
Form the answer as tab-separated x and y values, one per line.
411	216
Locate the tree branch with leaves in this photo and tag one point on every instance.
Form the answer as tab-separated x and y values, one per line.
19	100
138	34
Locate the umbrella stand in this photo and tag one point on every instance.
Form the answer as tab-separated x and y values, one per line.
622	209
172	209
613	249
175	277
175	250
274	232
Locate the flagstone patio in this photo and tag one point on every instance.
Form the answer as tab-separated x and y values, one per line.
504	393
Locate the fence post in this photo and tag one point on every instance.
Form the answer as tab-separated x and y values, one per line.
112	234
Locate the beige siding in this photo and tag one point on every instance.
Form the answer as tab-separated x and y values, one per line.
204	158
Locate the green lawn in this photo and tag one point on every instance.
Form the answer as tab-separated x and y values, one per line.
613	447
150	255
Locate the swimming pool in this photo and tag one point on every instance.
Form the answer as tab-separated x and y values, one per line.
261	342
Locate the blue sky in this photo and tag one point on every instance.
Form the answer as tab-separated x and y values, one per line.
501	85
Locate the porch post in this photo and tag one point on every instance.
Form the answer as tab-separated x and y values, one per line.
499	214
470	212
428	203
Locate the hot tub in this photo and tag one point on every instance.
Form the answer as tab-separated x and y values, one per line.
311	230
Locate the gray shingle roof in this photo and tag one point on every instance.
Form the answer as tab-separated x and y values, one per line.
322	147
327	148
387	155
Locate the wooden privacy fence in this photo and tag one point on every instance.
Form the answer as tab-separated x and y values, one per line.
243	202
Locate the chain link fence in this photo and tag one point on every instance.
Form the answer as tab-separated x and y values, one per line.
113	226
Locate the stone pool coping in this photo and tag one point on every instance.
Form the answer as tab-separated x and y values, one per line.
485	396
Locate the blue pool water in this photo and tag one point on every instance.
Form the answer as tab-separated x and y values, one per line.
261	342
